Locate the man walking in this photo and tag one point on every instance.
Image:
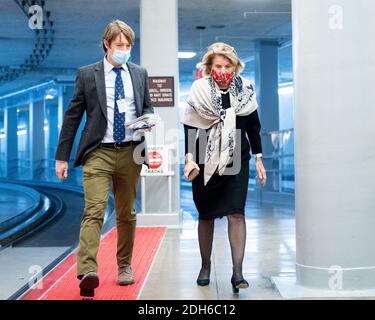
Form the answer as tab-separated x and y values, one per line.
112	92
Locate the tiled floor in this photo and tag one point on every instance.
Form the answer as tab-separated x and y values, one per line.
20	266
270	251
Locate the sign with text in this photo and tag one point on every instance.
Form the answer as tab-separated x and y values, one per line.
158	160
161	91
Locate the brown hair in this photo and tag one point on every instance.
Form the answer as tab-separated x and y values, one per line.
223	49
115	28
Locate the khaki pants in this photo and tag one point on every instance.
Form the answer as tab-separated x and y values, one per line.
102	167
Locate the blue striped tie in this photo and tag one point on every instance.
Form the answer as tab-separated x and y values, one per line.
119	118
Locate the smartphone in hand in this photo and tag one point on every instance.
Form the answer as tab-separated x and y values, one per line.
146	126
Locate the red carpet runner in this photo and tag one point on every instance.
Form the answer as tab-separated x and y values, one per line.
61	283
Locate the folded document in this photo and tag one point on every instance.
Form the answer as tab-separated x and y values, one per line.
146	121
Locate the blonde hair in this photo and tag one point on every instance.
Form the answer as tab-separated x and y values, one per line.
115	28
223	49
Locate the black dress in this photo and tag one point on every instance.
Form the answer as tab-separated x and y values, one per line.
224	194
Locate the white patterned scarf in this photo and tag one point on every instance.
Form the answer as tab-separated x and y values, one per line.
204	110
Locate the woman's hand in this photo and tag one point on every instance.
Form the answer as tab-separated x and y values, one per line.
261	172
190	165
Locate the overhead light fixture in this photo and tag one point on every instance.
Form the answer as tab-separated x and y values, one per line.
186	54
49	97
21	132
51	94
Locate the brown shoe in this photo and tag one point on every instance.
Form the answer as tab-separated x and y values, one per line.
88	283
125	276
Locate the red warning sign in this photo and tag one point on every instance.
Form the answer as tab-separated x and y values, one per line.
156	160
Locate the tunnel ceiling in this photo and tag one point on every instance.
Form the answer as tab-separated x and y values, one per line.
78	27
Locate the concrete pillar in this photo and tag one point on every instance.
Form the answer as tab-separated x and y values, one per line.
65	94
51	136
136	51
36	136
334	75
53	130
159	20
11	148
266	86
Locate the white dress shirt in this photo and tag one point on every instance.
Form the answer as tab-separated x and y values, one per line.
130	110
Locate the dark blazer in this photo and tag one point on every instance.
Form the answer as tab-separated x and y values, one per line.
90	97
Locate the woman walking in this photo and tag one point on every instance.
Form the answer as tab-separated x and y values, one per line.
221	124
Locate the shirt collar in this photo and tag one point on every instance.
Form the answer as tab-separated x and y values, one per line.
108	66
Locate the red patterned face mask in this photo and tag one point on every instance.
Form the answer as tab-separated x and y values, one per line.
222	78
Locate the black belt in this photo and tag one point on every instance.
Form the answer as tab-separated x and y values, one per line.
119	145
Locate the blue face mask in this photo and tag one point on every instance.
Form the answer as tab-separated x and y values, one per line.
121	57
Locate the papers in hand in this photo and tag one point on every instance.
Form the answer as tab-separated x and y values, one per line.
146	121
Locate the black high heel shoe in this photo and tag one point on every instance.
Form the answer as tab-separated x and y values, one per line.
203	281
238	284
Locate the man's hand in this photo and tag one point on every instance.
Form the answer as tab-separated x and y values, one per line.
261	172
144	130
62	169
